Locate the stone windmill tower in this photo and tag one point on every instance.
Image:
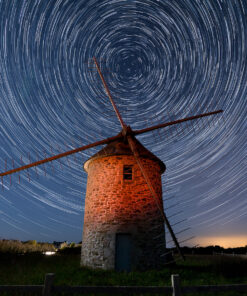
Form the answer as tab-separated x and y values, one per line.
122	223
124	216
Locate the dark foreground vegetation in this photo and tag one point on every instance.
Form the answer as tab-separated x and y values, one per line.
22	263
30	269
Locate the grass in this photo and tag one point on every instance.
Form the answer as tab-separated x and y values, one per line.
30	269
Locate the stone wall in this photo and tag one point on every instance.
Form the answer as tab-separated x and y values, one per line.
114	205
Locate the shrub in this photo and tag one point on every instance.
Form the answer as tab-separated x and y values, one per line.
17	247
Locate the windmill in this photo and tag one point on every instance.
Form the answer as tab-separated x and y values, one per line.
124	216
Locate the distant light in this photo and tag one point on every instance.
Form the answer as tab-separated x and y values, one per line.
48	253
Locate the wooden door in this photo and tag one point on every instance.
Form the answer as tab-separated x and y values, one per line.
123	252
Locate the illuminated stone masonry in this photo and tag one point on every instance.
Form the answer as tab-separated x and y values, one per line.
120	214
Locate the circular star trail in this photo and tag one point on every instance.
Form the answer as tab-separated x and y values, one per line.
162	60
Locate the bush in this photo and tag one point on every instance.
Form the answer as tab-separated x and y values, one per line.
31	242
66	251
72	245
17	247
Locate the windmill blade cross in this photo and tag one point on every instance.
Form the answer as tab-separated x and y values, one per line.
154	194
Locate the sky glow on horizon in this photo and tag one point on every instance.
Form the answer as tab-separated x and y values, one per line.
223	241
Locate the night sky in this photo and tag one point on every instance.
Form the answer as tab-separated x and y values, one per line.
162	60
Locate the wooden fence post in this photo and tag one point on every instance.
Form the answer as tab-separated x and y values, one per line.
49	278
176	285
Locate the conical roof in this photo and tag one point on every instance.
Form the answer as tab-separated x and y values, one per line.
121	147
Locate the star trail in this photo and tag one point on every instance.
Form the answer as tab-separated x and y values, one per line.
162	60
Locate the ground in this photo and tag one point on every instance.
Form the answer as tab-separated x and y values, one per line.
196	270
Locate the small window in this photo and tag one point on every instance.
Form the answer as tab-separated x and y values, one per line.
127	172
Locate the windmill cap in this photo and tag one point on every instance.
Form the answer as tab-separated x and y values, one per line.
121	147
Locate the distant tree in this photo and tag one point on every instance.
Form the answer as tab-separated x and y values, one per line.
31	242
63	245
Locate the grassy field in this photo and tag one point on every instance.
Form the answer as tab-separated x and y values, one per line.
196	270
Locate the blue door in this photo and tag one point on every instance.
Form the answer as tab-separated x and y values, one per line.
123	252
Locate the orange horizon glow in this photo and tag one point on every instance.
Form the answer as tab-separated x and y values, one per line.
222	241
